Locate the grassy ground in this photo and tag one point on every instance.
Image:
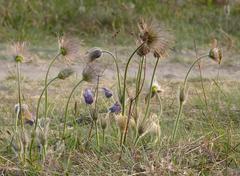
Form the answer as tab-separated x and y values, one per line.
208	139
93	21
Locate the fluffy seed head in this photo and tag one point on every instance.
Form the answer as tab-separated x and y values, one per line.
156	88
19	51
69	47
93	54
65	73
90	73
156	38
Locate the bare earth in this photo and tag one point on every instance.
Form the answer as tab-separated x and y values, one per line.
172	69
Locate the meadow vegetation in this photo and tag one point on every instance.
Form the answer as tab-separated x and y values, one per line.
112	115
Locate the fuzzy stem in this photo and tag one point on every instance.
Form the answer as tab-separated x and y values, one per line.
161	107
103	133
19	95
66	107
150	89
128	120
45	82
37	115
89	133
125	79
118	71
97	137
189	70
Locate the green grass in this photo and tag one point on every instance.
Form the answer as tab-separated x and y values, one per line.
207	142
93	21
208	138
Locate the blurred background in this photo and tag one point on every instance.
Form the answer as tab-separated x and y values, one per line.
99	21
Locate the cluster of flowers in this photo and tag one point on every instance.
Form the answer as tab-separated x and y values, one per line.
152	39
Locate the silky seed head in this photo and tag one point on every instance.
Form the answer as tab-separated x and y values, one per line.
156	38
65	73
19	51
69	47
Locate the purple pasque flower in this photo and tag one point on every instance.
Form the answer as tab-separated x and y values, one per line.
107	92
88	96
115	108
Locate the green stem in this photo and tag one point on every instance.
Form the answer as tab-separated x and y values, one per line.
150	89
125	79
177	121
37	114
66	107
96	128
103	133
118	71
181	103
19	95
46	81
189	70
161	108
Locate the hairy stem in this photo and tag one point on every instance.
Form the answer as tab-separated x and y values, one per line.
46	81
150	89
66	107
125	79
37	115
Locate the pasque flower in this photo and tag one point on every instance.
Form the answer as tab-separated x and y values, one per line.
115	108
88	96
107	92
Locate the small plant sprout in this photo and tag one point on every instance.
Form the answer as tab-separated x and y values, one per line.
108	93
38	107
69	48
42	136
104	123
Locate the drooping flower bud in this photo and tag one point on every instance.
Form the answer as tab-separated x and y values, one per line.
88	96
115	108
156	88
65	73
182	95
93	54
216	54
107	92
